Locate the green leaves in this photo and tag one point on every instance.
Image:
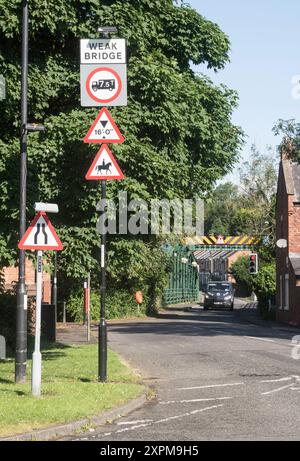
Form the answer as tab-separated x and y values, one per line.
179	138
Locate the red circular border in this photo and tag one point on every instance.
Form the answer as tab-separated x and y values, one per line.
87	85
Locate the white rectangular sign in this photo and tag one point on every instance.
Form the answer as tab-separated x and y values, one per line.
103	51
103	85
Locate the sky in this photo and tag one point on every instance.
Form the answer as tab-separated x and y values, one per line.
265	57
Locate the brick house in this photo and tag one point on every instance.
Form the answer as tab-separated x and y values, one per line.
10	278
288	228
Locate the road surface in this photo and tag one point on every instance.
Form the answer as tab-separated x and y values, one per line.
217	377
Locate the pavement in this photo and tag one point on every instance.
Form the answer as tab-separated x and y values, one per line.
219	375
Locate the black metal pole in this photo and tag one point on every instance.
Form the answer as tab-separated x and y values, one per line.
102	344
21	323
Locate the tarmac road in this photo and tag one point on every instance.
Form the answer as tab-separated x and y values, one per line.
217	378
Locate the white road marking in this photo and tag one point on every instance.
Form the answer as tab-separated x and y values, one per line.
288	378
127	423
260	339
132	428
187	414
194	400
277	390
209	386
271	341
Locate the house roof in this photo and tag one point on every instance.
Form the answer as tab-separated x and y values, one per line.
295	262
291	171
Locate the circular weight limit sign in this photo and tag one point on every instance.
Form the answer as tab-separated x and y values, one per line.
103	85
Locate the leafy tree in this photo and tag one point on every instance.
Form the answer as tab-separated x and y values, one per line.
290	130
179	138
259	184
220	209
240	271
263	283
250	207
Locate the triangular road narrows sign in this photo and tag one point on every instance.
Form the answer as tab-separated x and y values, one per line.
104	129
40	235
104	166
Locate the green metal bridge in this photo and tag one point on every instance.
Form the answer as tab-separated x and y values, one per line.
184	280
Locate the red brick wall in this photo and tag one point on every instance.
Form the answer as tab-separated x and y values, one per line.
287	227
11	277
294	226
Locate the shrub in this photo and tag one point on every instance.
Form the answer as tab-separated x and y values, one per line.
8	309
8	318
240	271
118	304
265	289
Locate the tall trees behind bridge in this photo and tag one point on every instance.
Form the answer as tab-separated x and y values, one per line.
247	208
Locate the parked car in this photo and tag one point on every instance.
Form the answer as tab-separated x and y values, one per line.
219	294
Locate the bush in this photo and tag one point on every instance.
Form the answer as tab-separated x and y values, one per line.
8	318
240	271
263	283
118	304
8	310
265	289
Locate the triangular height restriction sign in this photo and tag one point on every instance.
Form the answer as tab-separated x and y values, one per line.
104	166
104	129
40	235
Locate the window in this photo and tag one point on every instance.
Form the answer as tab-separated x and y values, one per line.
287	293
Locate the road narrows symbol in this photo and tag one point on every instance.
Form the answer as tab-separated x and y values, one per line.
40	235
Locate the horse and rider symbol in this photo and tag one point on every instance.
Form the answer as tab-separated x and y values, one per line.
105	167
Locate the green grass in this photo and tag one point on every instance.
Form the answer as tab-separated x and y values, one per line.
70	390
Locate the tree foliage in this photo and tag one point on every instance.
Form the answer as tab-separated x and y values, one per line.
247	209
263	283
179	138
290	130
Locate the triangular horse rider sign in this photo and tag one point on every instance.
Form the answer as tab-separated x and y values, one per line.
104	166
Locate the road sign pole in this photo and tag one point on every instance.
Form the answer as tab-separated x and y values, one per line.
89	308
54	286
102	345
36	356
21	321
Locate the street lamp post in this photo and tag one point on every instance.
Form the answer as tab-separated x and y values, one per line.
102	332
21	323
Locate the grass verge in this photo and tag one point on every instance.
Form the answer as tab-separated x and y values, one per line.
70	390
